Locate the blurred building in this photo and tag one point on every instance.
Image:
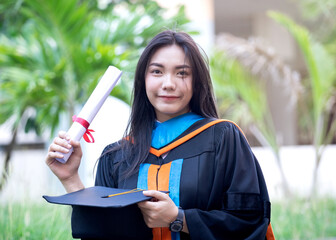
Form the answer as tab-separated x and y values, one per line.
245	19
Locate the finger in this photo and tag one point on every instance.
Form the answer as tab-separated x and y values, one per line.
62	142
52	155
76	145
63	134
58	148
148	205
144	205
156	194
143	209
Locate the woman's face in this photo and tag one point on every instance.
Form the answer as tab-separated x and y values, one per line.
169	82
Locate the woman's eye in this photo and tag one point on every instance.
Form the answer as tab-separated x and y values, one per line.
182	73
155	71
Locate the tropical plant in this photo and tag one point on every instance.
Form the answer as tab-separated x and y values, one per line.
52	54
321	92
322	15
239	69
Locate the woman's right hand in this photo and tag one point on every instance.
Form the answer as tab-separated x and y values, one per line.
67	172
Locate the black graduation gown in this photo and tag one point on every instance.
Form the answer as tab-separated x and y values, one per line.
221	186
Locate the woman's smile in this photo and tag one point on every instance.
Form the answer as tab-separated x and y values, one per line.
168	98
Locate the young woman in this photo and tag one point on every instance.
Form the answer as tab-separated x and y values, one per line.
175	142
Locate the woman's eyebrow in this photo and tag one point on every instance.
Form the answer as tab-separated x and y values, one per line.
182	66
161	65
156	64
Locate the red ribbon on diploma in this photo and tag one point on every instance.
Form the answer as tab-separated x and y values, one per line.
87	135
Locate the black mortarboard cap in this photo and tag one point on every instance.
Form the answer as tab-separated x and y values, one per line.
96	217
97	197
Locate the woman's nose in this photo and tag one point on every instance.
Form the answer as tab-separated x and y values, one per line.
169	82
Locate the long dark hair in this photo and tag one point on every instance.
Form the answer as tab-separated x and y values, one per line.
141	122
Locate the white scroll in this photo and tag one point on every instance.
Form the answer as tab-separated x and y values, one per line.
92	106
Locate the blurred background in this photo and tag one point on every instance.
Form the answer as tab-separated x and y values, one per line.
272	64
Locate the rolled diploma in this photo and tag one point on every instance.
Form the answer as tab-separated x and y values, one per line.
92	106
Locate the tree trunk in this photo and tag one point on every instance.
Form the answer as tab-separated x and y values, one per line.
275	150
9	150
318	157
284	183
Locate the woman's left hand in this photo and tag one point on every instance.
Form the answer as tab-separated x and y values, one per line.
160	211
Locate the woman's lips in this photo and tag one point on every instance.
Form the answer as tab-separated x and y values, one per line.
168	98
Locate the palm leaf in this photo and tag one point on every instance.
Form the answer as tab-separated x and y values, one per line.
244	98
238	67
321	68
66	45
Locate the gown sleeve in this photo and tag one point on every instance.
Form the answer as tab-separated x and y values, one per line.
239	203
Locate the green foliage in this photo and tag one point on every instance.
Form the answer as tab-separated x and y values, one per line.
321	68
35	221
298	219
242	97
321	15
322	85
313	9
52	53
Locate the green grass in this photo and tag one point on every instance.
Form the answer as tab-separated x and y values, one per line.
35	221
291	220
304	220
